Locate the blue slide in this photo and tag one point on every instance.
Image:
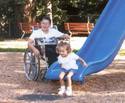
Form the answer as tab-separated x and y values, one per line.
102	45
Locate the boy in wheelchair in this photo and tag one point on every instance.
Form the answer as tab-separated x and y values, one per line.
41	44
47	33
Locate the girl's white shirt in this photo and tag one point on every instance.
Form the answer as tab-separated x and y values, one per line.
68	62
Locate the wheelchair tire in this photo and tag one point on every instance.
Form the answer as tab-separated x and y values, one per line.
31	65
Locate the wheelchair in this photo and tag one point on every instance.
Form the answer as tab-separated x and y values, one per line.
35	67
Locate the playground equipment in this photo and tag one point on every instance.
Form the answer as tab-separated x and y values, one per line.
102	44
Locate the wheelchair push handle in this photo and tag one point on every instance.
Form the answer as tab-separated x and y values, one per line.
63	38
59	39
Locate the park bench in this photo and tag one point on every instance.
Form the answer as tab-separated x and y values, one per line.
78	28
27	28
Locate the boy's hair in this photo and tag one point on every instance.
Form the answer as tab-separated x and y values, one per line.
63	44
45	18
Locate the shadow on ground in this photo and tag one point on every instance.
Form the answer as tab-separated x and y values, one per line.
40	97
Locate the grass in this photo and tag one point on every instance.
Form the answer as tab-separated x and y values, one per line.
12	50
122	52
18	50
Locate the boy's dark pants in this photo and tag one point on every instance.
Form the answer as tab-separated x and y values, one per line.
51	53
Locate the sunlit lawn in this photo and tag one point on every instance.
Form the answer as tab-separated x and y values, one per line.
122	52
12	49
21	45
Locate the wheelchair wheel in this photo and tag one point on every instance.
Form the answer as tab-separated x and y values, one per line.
31	65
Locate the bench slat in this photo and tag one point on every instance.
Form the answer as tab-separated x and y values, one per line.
27	28
79	28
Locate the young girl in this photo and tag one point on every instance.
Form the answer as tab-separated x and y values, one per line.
67	60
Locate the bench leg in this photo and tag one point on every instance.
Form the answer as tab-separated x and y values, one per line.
22	35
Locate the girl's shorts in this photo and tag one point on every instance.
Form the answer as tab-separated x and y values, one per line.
70	70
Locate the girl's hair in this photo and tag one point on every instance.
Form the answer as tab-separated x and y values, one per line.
64	44
45	18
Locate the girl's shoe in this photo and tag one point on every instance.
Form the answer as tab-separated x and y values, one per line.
69	92
61	90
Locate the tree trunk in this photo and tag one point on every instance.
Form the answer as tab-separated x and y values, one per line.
30	4
49	10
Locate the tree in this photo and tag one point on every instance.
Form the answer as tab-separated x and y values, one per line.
14	11
49	10
83	8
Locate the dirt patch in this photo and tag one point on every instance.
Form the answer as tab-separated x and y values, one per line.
107	86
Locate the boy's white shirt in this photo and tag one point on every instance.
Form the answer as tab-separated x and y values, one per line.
40	34
68	62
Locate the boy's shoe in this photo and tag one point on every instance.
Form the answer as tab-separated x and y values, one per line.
69	91
61	90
